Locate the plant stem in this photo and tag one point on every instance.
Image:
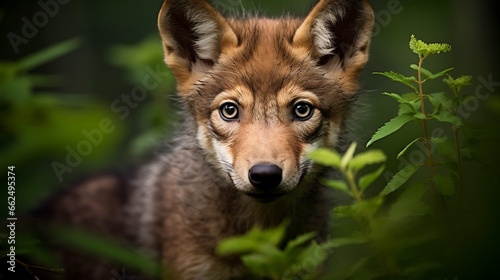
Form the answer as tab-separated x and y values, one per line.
427	139
424	121
459	168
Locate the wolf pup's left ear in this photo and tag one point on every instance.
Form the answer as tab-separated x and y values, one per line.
194	35
337	33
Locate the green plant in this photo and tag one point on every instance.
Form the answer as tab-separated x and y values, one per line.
420	106
409	228
261	253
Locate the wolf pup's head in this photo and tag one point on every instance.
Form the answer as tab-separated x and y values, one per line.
265	92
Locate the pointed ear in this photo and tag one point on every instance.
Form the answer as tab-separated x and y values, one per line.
194	35
337	33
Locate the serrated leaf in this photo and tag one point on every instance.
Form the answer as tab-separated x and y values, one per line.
337	185
326	157
412	106
400	78
346	158
448	117
400	178
369	178
439	101
367	158
428	75
397	97
444	185
390	127
407	147
457	84
423	49
440	74
424	71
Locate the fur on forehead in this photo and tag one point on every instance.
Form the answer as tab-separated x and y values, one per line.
265	63
208	53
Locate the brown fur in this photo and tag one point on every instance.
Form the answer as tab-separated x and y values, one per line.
192	197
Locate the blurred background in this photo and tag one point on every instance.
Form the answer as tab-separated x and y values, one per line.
83	87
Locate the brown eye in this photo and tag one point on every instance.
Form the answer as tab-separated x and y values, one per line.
229	112
303	111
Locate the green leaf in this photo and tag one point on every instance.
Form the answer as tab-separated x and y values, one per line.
369	178
439	101
399	98
407	147
346	158
444	185
337	185
412	106
457	84
262	265
400	178
367	158
420	116
440	74
448	117
299	241
400	78
254	240
409	204
390	127
236	245
423	49
326	157
426	73
49	54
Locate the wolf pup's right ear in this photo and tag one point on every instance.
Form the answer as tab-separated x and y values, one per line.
194	35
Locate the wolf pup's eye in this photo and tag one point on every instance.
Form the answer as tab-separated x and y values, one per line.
229	112
303	111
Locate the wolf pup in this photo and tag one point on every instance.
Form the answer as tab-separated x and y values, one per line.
258	94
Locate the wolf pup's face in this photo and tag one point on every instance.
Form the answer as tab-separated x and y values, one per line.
264	92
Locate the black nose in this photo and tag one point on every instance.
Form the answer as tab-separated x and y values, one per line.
265	176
